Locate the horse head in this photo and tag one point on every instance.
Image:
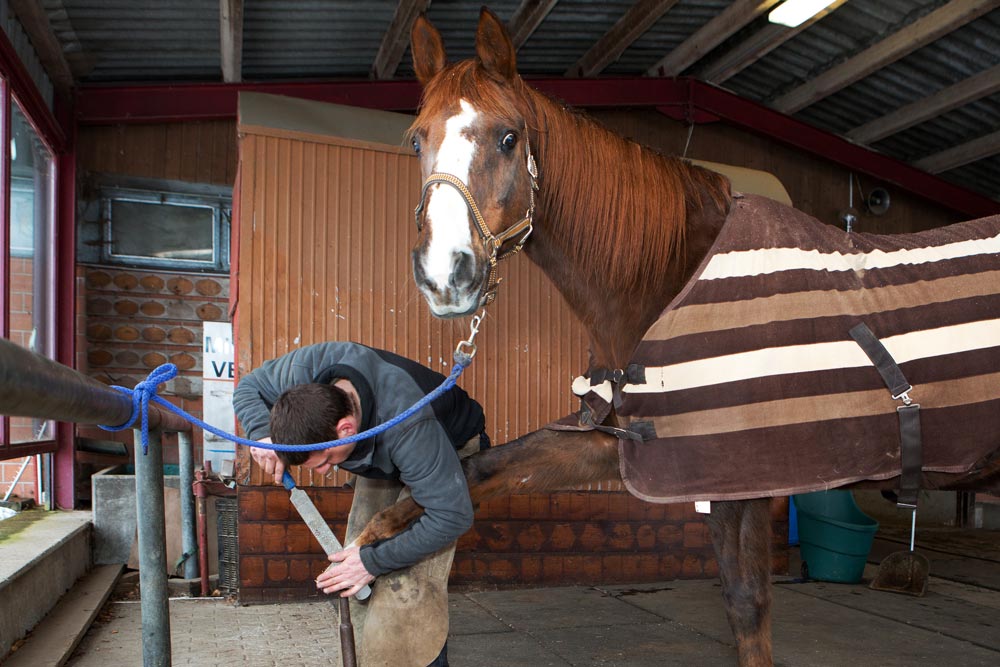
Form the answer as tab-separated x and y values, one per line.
471	136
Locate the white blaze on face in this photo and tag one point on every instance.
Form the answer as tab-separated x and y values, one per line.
447	212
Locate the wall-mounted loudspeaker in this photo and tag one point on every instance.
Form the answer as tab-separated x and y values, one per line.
878	201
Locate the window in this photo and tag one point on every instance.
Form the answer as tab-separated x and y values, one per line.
165	229
31	258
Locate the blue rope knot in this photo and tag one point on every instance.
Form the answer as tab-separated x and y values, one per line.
141	394
145	391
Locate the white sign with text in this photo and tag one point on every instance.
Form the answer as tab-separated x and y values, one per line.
217	394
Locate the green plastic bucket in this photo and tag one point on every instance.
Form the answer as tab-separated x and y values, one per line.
835	536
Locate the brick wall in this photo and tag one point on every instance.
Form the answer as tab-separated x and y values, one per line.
573	537
133	320
21	428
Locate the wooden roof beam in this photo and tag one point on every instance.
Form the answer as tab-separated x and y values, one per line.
397	38
35	21
969	90
921	32
755	47
970	151
231	40
526	19
636	21
713	33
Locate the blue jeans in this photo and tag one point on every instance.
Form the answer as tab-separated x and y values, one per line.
442	659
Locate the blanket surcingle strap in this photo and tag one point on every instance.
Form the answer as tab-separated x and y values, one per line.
909	413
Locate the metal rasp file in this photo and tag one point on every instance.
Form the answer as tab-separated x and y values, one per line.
317	524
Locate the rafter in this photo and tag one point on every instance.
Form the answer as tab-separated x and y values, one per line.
526	19
970	151
901	43
756	46
231	39
969	90
636	21
396	38
35	21
713	33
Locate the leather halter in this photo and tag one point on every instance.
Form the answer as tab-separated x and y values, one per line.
517	233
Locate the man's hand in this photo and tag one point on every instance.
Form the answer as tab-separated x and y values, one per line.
268	461
347	573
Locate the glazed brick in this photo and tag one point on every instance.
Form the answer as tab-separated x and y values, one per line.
496	536
251	571
251	504
598	505
276	570
531	569
273	537
645	537
277	506
502	570
298	540
563	537
591	567
552	568
618	506
300	570
620	537
691	567
520	506
669	535
541	507
470	541
531	538
250	538
695	535
669	567
591	537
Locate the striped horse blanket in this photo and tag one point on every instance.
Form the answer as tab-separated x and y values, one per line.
753	387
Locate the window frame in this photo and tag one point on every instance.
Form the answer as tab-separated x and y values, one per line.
220	206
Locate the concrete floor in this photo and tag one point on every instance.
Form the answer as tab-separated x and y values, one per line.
670	623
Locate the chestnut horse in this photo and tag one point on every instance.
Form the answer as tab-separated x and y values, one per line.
617	259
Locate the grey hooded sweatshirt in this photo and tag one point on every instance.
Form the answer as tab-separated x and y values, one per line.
419	452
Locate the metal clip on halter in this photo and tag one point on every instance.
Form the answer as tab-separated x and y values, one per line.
469	344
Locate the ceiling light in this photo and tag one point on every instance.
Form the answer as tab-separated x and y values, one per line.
793	13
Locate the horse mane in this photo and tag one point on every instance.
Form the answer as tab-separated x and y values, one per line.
623	207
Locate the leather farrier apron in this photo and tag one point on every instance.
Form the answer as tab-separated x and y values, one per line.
405	622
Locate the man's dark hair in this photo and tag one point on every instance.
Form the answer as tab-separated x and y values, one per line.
305	414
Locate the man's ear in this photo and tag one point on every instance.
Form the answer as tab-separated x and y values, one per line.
347	427
427	50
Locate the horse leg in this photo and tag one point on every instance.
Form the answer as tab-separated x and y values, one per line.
540	461
741	535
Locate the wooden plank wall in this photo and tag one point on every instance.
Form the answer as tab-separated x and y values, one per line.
326	228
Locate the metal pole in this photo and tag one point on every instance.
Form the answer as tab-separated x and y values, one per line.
189	539
152	552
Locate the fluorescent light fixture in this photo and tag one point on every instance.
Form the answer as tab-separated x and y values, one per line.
794	13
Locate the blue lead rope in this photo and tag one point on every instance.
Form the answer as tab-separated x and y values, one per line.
145	391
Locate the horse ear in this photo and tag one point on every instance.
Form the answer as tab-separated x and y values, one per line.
427	49
493	46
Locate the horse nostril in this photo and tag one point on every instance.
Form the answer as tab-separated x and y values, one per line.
463	271
420	276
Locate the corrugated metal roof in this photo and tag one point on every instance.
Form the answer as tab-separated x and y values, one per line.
178	40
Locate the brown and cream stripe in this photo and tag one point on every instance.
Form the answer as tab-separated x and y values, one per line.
754	387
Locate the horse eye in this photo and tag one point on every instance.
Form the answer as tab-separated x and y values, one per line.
508	142
416	146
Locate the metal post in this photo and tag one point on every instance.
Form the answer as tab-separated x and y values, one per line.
189	540
152	551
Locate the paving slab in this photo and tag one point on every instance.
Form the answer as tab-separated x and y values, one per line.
642	645
546	608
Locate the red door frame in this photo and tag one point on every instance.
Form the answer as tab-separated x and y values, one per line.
55	134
